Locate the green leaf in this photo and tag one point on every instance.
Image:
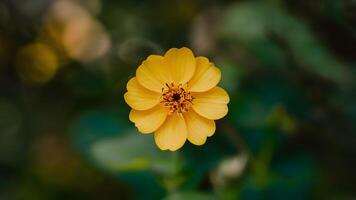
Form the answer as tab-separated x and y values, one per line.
235	23
111	142
251	22
115	145
190	196
130	152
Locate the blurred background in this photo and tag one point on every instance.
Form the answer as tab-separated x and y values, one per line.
289	67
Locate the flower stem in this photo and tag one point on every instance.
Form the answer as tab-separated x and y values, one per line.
172	180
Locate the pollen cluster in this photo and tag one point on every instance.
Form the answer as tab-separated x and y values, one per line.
176	98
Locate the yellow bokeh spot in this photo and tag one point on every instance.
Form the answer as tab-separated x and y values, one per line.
36	63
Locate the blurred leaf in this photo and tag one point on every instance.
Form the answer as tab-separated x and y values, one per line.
116	145
190	196
265	20
260	97
290	179
11	137
112	143
200	160
236	25
132	151
313	56
268	54
231	75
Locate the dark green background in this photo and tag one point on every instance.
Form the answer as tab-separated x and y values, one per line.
289	67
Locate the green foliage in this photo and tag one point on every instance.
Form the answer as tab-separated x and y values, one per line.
190	195
287	65
266	22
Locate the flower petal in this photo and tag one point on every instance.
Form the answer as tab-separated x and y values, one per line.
211	104
181	64
172	134
199	128
153	74
206	76
148	121
138	97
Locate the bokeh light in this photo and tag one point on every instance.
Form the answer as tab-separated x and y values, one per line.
36	63
72	30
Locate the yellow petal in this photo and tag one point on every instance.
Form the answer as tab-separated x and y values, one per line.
140	98
148	121
153	74
206	76
199	128
211	104
172	134
181	64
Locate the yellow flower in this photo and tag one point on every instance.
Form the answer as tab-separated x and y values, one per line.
176	97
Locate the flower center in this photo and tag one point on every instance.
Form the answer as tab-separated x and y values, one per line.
176	98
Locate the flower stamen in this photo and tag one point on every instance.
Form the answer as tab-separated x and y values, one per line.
176	98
